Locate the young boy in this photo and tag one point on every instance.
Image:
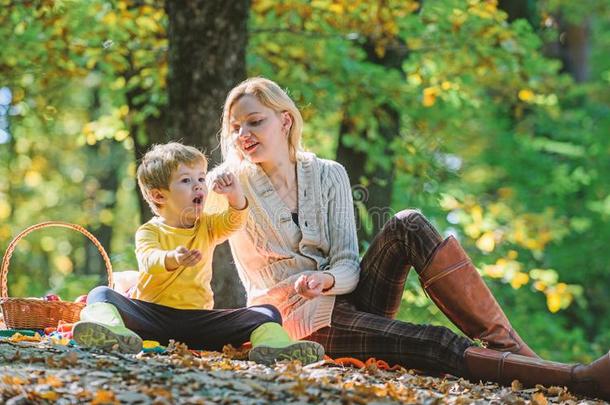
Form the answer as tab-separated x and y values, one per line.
173	298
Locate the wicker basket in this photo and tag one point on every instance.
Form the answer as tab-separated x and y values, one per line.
31	313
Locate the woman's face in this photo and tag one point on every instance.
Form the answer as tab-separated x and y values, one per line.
260	133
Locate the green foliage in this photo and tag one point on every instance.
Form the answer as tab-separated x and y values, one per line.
496	143
513	149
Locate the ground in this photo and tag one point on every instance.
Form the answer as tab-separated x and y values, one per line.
41	373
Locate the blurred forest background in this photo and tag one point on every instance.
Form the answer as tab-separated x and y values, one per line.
492	117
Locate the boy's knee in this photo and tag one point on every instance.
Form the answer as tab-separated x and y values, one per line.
271	312
101	294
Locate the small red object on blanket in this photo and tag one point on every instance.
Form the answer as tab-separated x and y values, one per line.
64	327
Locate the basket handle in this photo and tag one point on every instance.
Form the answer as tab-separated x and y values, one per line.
11	247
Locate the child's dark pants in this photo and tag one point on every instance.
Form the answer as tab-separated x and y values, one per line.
198	328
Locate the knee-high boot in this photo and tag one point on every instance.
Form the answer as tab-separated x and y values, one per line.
504	367
456	287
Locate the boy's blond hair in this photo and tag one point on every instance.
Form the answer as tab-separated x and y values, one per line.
160	162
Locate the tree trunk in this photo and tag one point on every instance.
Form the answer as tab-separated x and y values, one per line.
107	174
573	45
518	9
572	48
377	194
373	190
109	183
207	57
154	128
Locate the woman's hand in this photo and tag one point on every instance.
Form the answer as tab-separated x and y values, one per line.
311	285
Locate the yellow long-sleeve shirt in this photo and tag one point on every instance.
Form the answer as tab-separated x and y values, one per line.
185	287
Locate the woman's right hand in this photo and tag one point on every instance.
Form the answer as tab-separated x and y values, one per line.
311	285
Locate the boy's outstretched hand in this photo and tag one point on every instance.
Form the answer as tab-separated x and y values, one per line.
182	256
226	183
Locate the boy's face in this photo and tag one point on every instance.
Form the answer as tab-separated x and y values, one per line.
182	204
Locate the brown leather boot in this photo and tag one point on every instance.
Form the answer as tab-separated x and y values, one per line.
456	287
503	367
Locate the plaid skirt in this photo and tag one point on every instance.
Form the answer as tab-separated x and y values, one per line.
363	324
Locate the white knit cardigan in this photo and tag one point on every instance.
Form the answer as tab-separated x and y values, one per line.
271	251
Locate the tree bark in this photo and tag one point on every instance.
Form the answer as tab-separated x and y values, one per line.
572	48
107	176
207	57
377	195
573	45
109	183
518	9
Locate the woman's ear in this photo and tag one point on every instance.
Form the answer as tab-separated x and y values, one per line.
286	122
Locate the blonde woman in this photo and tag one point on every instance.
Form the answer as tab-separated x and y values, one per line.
299	252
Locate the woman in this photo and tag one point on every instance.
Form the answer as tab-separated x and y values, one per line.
299	252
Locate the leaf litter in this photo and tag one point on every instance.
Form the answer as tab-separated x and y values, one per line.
44	373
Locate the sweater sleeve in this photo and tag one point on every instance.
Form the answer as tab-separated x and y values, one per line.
343	253
151	258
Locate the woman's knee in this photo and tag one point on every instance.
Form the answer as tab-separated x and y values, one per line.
409	220
269	311
410	217
101	294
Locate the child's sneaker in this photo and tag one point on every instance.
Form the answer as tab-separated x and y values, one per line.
102	327
271	343
100	336
305	351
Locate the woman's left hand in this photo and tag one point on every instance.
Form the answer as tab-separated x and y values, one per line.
311	285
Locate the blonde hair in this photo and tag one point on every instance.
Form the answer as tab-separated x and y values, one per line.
160	162
269	94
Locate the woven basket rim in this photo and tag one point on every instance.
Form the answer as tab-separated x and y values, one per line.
37	301
61	224
35	313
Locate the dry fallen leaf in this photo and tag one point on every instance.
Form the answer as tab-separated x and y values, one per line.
566	396
49	395
52	381
539	399
555	391
235	353
183	376
18	337
178	348
516	385
10	380
83	394
104	397
157	391
299	388
50	361
69	360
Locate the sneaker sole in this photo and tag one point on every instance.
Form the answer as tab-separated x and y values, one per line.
306	352
91	334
